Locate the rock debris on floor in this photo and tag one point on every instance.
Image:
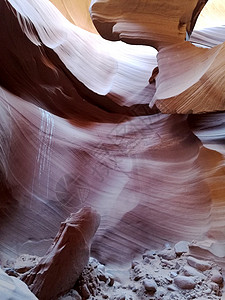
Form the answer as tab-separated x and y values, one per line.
169	274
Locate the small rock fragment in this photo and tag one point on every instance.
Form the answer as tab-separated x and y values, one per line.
137	277
166	263
216	277
146	260
177	266
181	247
150	285
207	291
184	282
160	293
134	264
101	267
11	272
173	274
167	254
111	280
214	287
85	292
172	288
102	276
149	254
190	271
201	265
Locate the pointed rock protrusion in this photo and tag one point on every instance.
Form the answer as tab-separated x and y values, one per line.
63	263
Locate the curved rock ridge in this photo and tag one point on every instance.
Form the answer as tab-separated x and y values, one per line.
77	12
82	65
210	129
192	88
198	86
212	15
152	22
134	173
208	37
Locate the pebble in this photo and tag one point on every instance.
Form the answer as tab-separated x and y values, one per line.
85	291
207	291
200	265
166	263
146	260
167	254
172	288
216	277
173	274
104	296
181	247
93	262
11	272
111	280
150	285
134	264
102	276
184	282
137	277
101	267
149	254
190	271
177	266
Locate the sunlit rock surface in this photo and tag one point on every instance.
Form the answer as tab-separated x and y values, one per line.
77	130
152	22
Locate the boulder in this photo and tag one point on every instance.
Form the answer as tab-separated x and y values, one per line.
62	265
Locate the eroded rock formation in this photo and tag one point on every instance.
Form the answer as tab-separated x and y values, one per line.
77	129
63	263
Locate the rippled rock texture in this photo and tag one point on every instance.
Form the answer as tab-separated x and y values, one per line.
81	124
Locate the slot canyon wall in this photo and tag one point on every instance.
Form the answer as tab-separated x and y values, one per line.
125	116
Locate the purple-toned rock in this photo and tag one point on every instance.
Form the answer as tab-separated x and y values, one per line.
181	247
60	268
168	254
216	277
190	271
150	285
198	264
185	283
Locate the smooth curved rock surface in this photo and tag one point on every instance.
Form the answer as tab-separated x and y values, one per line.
77	12
157	23
13	288
76	130
196	87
